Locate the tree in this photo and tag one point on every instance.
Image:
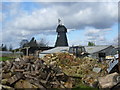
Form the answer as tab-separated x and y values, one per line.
4	47
1	47
43	43
23	42
33	42
10	47
91	44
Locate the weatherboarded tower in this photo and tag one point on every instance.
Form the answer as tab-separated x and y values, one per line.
61	36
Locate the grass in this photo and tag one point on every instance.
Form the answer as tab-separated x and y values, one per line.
83	87
80	86
5	58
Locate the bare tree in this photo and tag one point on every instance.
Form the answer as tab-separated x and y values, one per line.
4	48
10	47
23	42
43	43
33	42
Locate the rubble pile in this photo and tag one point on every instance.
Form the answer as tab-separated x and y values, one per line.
88	69
30	72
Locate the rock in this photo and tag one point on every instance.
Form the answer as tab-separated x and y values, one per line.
97	70
109	81
17	59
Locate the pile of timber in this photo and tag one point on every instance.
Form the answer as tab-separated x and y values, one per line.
30	72
87	68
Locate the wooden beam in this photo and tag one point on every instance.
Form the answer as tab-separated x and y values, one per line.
27	50
119	62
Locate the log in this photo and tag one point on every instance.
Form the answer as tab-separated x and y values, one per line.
19	70
15	78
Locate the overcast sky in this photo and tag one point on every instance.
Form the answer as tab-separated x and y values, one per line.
85	21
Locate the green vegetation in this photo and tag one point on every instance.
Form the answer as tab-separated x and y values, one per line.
4	58
91	44
80	86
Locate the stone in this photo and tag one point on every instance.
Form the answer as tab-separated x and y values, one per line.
97	70
17	59
109	80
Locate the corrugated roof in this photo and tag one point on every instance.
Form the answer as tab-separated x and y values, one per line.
54	50
112	65
93	49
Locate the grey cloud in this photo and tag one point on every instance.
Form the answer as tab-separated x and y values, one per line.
96	35
73	15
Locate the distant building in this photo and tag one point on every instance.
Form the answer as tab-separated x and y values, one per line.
100	51
61	37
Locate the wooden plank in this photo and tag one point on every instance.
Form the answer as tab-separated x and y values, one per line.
119	62
19	70
15	78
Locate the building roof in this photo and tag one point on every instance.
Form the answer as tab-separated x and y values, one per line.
112	64
116	46
54	50
94	49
